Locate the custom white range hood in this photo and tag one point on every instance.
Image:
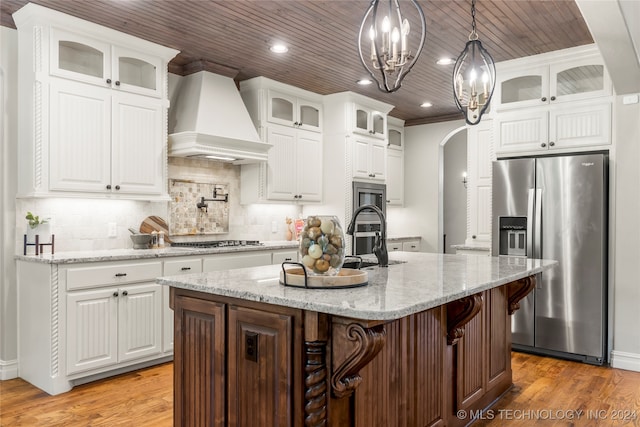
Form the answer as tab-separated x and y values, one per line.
211	121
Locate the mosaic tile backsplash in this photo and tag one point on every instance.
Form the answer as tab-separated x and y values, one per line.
186	218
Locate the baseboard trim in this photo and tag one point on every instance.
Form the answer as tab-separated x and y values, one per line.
8	369
624	360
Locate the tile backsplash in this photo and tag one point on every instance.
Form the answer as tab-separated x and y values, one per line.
198	207
83	224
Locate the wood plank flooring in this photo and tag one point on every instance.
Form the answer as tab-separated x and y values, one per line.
547	392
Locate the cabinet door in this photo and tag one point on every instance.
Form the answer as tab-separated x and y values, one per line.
137	145
479	169
230	261
308	166
582	79
92	329
80	137
378	125
519	89
281	256
139	321
309	115
395	177
361	120
360	163
136	72
281	108
522	131
378	161
281	166
80	58
580	126
395	138
261	366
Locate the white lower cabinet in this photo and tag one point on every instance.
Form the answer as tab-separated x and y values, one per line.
411	246
278	257
230	261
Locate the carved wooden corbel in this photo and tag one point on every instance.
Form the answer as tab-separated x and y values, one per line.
368	343
518	290
459	313
315	383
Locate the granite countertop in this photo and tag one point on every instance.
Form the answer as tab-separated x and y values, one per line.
472	247
425	281
132	254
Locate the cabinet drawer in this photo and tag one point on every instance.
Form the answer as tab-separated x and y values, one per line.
411	246
182	266
94	276
394	246
238	260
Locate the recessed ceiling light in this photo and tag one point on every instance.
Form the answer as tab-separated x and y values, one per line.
364	82
278	48
426	104
445	61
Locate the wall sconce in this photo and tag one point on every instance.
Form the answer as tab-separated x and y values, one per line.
464	179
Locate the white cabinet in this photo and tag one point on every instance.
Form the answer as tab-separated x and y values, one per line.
293	111
411	246
561	100
278	257
394	246
395	162
480	155
93	120
113	325
295	162
369	159
290	119
369	121
230	261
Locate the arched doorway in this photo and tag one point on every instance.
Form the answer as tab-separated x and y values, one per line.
452	215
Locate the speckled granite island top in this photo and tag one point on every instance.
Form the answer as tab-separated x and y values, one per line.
72	257
423	282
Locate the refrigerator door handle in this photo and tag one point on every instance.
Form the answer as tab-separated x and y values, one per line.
538	225
530	224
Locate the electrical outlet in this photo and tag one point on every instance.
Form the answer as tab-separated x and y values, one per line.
112	229
274	227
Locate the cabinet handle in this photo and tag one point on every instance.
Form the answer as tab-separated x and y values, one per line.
108	186
372	175
287	259
299	196
108	81
117	187
185	268
553	98
543	145
121	274
551	144
295	196
544	99
115	294
117	82
125	293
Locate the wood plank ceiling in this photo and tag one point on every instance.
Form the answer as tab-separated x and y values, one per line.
232	37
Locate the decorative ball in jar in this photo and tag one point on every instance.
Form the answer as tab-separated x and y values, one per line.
322	245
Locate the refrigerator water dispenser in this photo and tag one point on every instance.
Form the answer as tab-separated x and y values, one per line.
513	236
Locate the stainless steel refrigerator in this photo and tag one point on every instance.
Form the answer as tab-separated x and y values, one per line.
556	208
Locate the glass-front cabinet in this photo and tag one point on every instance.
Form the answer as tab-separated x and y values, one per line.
289	110
369	122
573	80
89	60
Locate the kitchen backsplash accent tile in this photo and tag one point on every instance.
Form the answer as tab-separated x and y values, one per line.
185	218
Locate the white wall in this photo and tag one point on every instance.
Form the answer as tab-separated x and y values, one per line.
8	174
419	216
626	235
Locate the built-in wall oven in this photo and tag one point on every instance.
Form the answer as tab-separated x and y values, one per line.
367	223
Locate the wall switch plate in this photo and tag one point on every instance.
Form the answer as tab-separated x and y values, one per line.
112	229
630	99
274	227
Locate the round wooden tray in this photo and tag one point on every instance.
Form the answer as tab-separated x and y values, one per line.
346	278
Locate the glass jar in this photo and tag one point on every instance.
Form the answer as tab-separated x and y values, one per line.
322	245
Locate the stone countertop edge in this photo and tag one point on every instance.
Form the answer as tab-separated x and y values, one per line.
73	257
472	247
394	238
425	281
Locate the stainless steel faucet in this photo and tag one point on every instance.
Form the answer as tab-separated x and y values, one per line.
380	245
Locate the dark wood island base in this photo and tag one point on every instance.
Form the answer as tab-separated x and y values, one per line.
243	363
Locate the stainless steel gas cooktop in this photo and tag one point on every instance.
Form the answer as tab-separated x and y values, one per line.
218	243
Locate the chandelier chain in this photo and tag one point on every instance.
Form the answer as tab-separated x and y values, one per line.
473	35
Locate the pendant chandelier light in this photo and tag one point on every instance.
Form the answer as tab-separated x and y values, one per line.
387	37
474	76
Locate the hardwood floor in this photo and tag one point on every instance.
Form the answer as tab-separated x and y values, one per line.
547	392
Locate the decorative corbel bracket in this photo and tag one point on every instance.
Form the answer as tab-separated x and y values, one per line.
518	290
459	313
368	343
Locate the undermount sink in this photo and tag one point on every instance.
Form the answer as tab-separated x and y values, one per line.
354	263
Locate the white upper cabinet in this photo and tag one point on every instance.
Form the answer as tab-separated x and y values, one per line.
395	162
294	111
93	121
368	121
369	159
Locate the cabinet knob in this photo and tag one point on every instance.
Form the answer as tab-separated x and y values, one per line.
121	274
544	99
115	294
117	187
185	268
299	196
473	237
108	186
544	144
553	98
117	82
551	144
125	293
108	81
372	175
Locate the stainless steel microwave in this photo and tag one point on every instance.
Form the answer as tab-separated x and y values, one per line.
368	223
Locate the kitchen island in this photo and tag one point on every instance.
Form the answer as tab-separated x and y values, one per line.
426	342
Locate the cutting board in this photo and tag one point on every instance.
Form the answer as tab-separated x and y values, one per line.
155	223
346	278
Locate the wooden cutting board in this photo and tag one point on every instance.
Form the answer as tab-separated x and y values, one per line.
155	223
346	278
